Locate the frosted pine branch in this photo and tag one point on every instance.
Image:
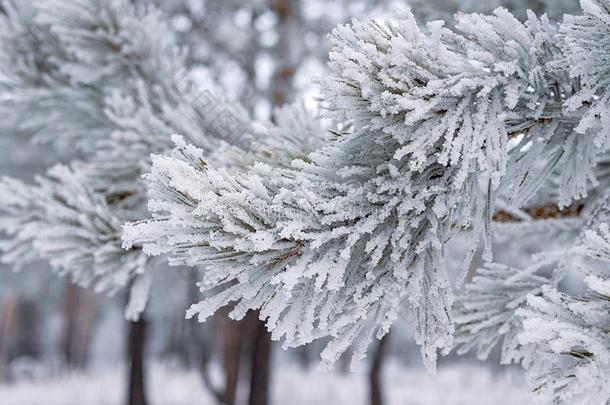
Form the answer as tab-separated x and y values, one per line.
332	229
63	221
430	116
486	312
97	80
571	332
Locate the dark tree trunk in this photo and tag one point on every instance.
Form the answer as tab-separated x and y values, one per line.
68	338
232	340
281	89
201	346
376	388
136	390
303	356
282	86
7	331
231	347
28	339
87	318
78	323
261	363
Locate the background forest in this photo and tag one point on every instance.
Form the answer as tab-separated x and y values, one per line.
92	91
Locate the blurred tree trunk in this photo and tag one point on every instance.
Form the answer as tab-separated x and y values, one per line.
27	340
136	389
78	323
375	386
232	338
288	14
232	341
69	323
303	356
344	361
7	330
282	86
200	347
87	319
261	362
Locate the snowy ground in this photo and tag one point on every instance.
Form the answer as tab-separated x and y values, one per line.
452	386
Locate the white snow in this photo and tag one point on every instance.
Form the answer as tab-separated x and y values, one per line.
455	385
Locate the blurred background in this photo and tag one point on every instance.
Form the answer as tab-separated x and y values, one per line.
60	344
